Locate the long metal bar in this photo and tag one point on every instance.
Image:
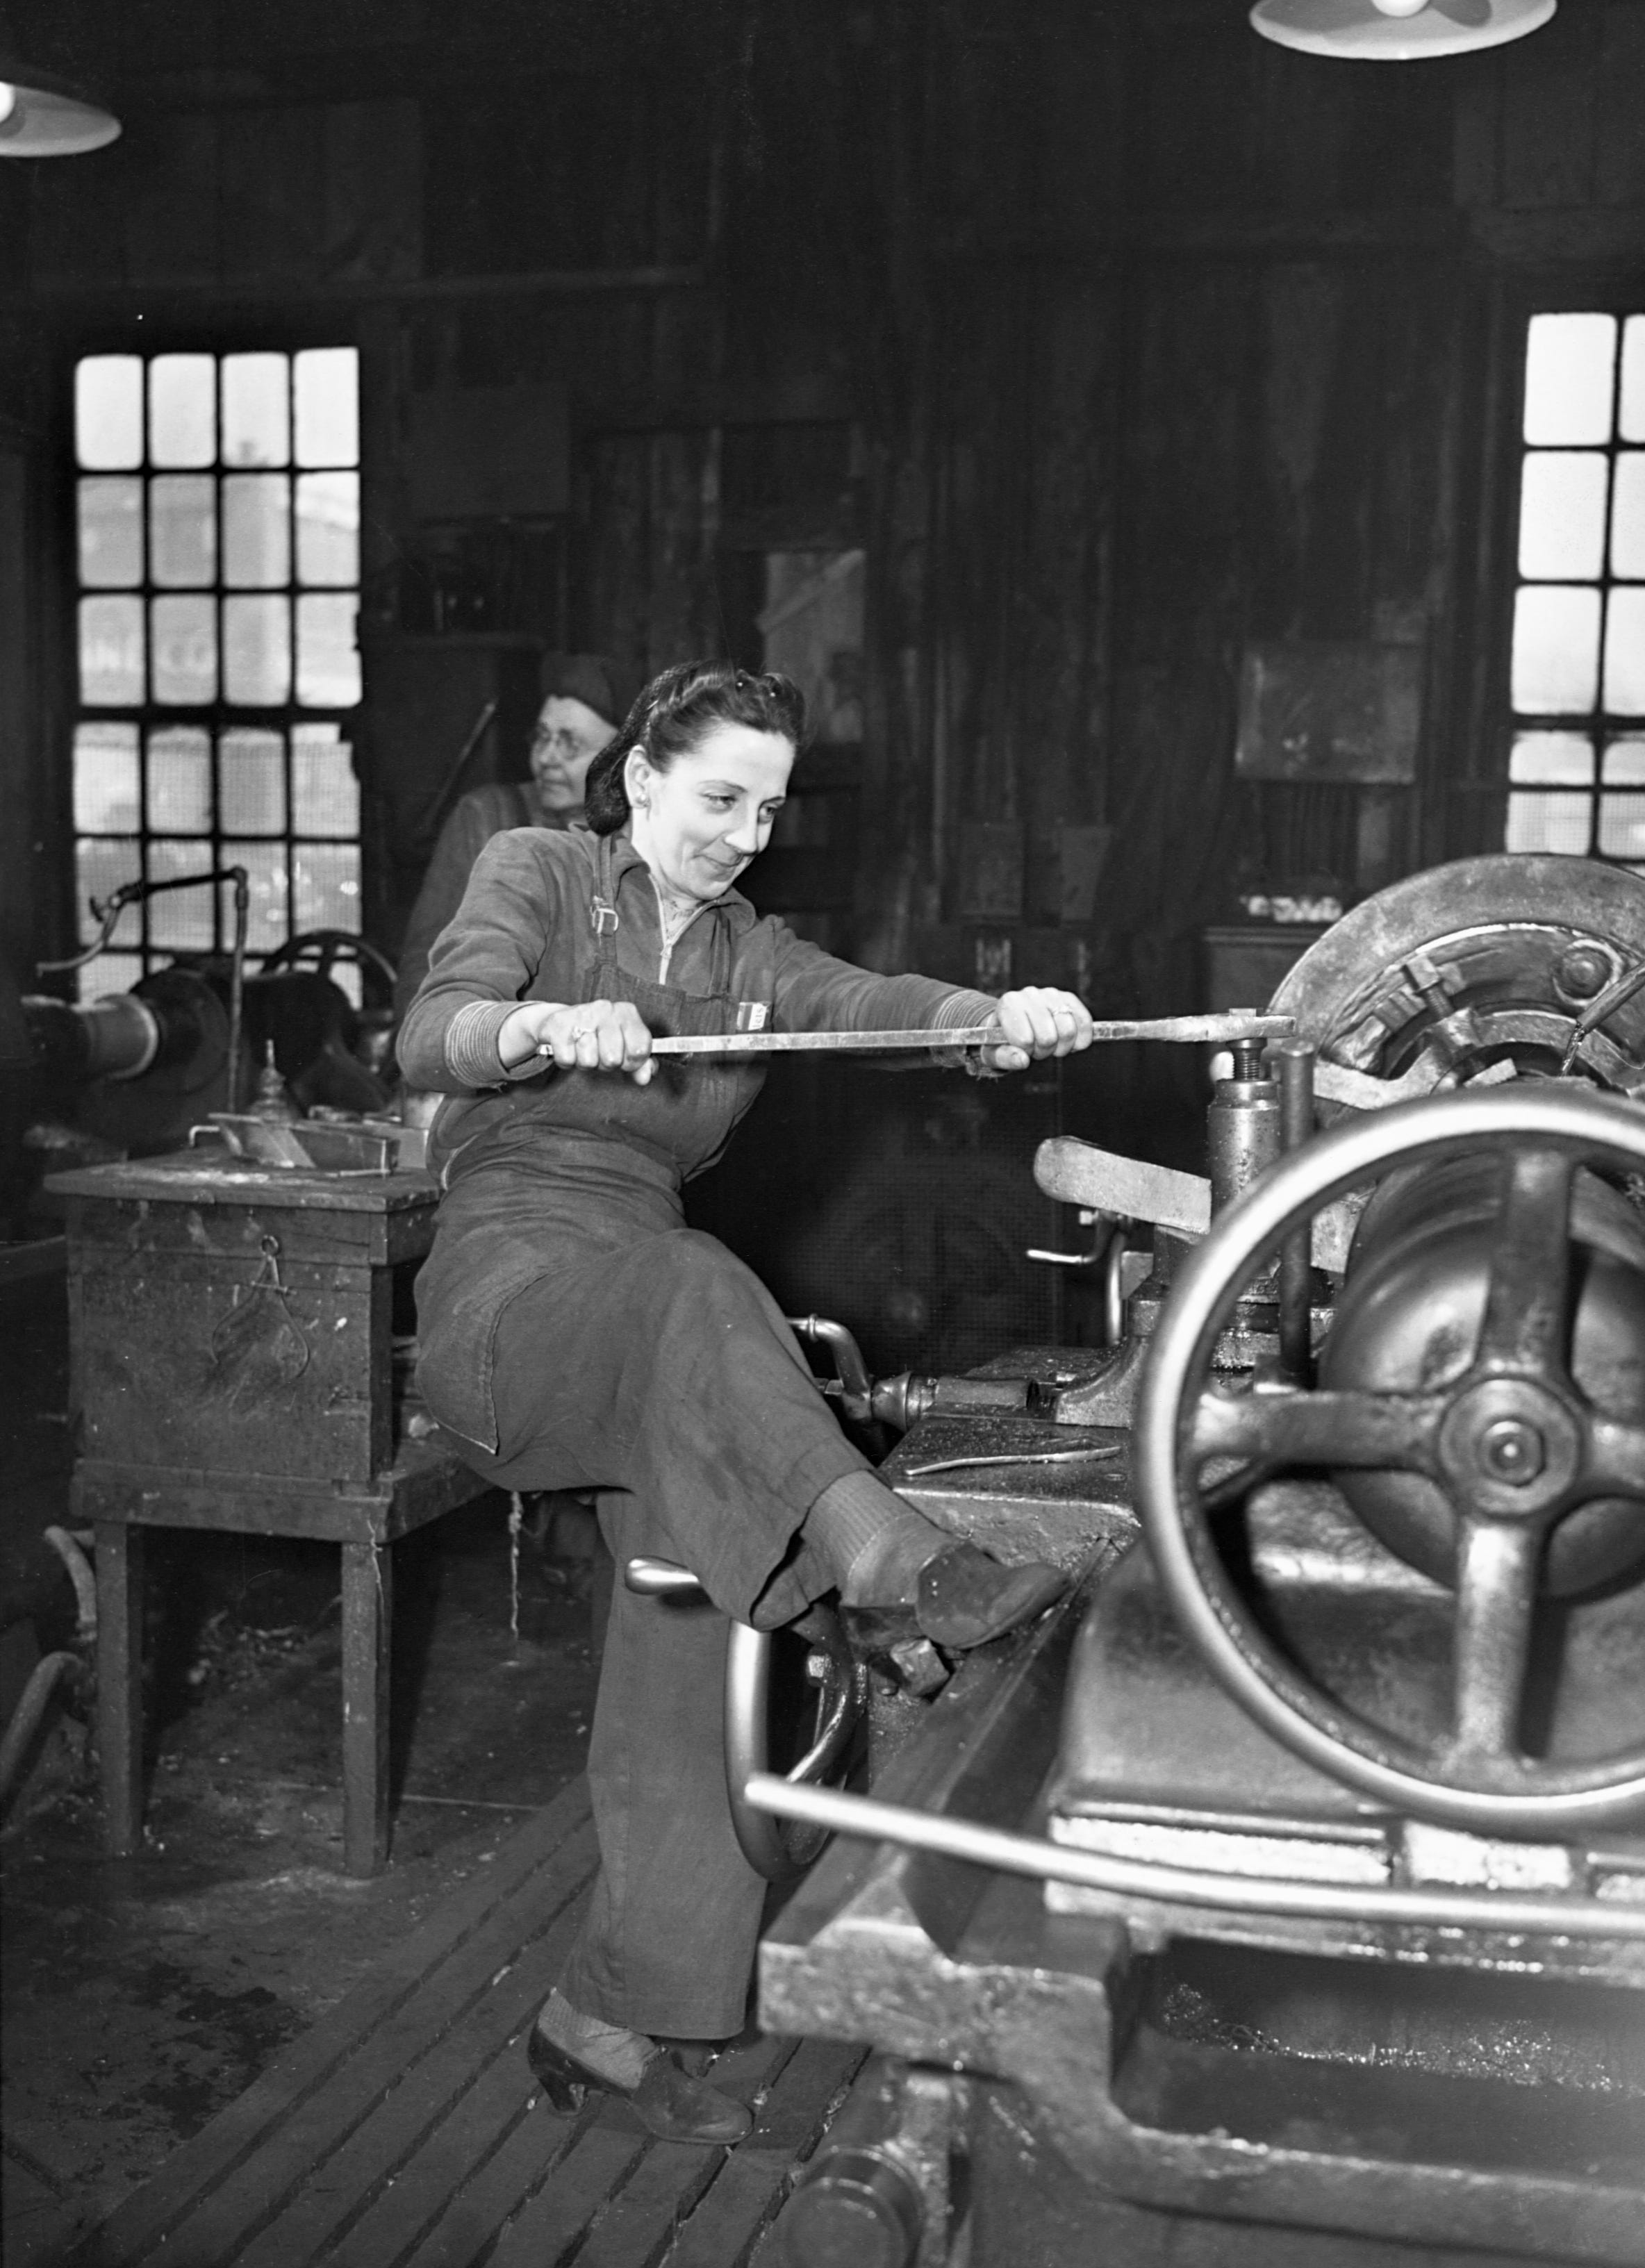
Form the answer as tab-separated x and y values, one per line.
1292	1062
1193	1031
1055	1862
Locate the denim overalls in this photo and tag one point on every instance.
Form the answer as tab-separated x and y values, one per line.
578	1335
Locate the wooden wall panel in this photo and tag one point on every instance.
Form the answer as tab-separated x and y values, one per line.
273	193
1187	419
1302	314
1620	134
76	218
372	216
171	206
1550	109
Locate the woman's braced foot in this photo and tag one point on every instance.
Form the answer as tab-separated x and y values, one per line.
668	2101
964	1598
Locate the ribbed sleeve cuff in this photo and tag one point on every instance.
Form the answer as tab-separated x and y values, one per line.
471	1045
954	1015
962	1008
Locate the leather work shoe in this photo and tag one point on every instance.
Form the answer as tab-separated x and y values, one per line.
667	2102
966	1598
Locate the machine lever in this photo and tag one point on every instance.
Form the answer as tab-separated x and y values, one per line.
661	1578
1078	1173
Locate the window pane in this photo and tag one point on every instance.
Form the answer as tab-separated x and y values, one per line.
184	632
325	794
1549	822
257	651
1552	760
1556	649
110	972
1622	826
326	895
257	530
267	919
1625	763
111	651
99	868
1631	417
106	779
327	386
1627	515
183	410
1562	514
251	782
328	665
109	413
1625	652
329	527
180	781
181	921
111	534
182	531
256	409
1569	360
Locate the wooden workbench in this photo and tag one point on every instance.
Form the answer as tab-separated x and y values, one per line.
232	1367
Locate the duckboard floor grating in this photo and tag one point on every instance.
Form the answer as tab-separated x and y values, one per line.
402	2131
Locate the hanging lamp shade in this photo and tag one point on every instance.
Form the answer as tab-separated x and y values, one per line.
1397	31
44	116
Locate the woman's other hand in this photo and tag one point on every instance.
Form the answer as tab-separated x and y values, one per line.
1038	1022
599	1035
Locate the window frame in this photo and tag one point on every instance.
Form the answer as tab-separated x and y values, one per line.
216	332
1480	800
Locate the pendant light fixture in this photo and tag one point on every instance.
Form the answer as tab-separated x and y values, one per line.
1397	31
44	116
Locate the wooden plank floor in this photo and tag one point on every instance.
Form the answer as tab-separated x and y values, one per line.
401	2131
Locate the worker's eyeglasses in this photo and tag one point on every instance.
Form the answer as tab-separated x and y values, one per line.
556	740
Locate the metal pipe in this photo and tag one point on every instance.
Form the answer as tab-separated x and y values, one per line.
237	979
1294	1064
68	1549
1036	1855
1114	1284
26	1718
849	1365
436	812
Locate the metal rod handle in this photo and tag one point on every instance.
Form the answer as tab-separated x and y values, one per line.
1037	1856
661	1578
1195	1031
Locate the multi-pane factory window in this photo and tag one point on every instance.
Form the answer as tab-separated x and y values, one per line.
1576	767
218	513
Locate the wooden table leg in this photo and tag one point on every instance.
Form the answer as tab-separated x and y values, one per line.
119	1682
367	1627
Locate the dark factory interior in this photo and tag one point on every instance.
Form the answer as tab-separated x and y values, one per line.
1190	459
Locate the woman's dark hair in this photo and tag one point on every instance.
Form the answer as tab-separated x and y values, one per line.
674	714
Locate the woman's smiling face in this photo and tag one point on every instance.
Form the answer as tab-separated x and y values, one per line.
698	825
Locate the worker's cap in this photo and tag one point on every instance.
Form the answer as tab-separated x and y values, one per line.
593	678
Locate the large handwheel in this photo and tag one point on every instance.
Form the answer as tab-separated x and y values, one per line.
1513	1443
323	948
777	1848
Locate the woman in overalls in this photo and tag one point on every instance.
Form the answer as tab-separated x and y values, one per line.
576	1334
